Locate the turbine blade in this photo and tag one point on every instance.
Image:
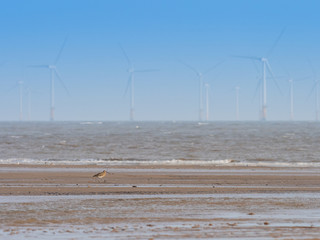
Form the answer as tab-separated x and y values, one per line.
255	66
287	72
127	86
256	90
38	66
190	67
276	42
273	77
12	88
312	69
312	90
125	55
213	67
61	81
61	49
301	79
147	70
248	57
30	90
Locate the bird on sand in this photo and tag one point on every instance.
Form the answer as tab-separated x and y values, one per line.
100	175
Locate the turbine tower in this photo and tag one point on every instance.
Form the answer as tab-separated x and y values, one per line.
130	83
292	81
53	72
265	67
200	76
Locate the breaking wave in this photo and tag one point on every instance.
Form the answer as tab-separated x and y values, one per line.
116	161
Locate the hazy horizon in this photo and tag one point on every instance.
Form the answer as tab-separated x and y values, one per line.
164	36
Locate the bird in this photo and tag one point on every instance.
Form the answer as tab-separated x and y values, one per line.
100	175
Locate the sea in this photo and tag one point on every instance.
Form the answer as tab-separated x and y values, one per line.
274	144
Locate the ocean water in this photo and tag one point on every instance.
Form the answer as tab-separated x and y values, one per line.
289	144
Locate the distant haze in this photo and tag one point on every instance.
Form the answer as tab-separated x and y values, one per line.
176	40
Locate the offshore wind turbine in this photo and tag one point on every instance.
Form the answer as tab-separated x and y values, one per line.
130	83
200	76
265	68
291	83
53	72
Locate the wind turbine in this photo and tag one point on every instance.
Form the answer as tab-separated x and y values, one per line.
292	81
265	68
130	83
200	76
53	72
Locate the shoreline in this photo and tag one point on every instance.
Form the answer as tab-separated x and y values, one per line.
159	202
160	179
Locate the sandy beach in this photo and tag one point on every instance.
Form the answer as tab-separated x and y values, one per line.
159	202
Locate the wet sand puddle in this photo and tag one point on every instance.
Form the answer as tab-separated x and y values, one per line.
135	216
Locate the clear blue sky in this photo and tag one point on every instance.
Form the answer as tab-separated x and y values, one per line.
157	35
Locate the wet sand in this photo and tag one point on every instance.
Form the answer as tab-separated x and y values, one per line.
159	202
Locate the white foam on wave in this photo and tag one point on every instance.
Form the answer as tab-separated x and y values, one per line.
222	162
231	162
90	123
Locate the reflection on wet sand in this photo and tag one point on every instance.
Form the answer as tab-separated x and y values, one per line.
223	204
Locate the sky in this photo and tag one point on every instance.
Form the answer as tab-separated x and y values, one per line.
171	37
